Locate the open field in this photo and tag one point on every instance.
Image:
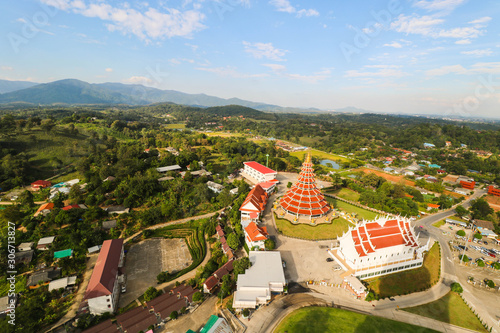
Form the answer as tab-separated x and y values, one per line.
223	134
176	126
389	177
322	319
351	209
494	202
454	194
320	231
439	223
449	309
410	281
346	193
319	154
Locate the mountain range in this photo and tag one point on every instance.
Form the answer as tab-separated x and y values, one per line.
76	92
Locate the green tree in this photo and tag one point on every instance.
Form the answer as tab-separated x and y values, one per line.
478	236
289	184
480	209
269	244
461	233
461	211
463	258
233	241
162	277
480	263
174	315
240	265
197	296
456	287
151	293
26	198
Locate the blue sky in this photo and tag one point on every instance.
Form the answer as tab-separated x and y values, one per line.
402	56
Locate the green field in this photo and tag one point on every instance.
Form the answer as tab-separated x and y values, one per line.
346	193
449	309
351	209
322	319
175	126
319	154
320	231
439	223
410	281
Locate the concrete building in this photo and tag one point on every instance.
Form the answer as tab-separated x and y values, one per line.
169	168
379	247
103	288
257	173
217	188
216	325
260	281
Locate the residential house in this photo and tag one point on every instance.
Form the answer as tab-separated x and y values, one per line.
260	281
43	276
217	188
429	145
62	283
39	184
24	257
432	206
81	206
106	225
103	288
169	168
25	246
44	209
255	236
45	242
136	320
213	280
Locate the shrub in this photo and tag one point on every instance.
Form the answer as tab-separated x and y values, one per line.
245	312
461	233
478	236
198	296
174	315
151	293
463	257
456	287
480	263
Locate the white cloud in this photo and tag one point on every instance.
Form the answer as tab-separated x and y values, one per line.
481	20
264	50
138	80
109	70
281	70
148	24
439	5
230	71
286	7
395	45
384	71
457	69
6	68
478	53
477	68
427	26
178	61
463	42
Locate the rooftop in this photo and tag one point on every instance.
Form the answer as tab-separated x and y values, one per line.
259	167
266	268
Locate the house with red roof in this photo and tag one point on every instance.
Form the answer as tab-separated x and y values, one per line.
255	236
103	288
432	206
253	206
39	184
44	209
379	247
257	173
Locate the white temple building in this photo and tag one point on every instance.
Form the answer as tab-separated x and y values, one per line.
379	247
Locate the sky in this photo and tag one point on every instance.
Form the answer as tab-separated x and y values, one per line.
396	56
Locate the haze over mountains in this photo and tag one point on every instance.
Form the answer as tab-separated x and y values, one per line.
72	91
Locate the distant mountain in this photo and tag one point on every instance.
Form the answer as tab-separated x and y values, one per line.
72	91
8	86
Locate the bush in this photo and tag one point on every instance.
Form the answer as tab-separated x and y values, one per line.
197	296
269	244
151	293
496	265
463	257
245	312
456	287
480	263
490	284
174	315
162	277
461	233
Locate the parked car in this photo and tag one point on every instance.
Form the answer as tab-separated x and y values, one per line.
329	259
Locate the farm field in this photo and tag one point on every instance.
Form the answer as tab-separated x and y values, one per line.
319	154
176	126
389	177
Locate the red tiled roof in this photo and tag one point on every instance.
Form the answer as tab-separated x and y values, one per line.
256	233
257	197
177	306
105	327
42	183
70	207
210	283
105	270
266	185
433	205
48	205
224	270
259	167
372	236
304	198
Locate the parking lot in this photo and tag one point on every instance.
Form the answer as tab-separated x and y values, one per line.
145	260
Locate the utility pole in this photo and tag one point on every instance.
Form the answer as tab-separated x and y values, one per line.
267	160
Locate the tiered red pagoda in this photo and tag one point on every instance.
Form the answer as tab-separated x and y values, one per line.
304	198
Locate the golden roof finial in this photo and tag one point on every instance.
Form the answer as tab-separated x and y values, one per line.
308	157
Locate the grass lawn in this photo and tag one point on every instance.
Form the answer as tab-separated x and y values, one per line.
439	223
322	319
409	281
450	309
348	208
346	193
176	126
320	231
319	154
